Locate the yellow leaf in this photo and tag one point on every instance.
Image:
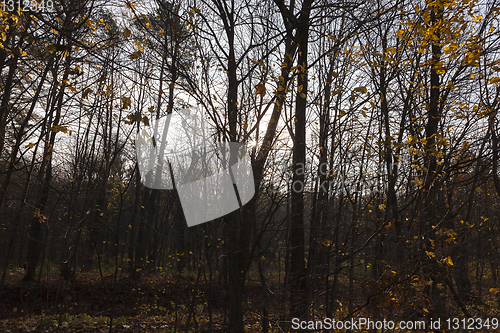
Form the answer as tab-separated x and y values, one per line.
58	128
362	90
411	140
495	80
38	215
86	92
126	102
299	88
494	290
448	261
126	33
135	55
29	145
260	89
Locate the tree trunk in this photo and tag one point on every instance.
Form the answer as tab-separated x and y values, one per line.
298	275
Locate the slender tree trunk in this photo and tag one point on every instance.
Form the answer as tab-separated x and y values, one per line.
298	275
46	173
4	106
431	200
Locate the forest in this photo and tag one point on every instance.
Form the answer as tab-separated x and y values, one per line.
369	127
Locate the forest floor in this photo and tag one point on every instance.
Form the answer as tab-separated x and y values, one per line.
162	302
157	303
